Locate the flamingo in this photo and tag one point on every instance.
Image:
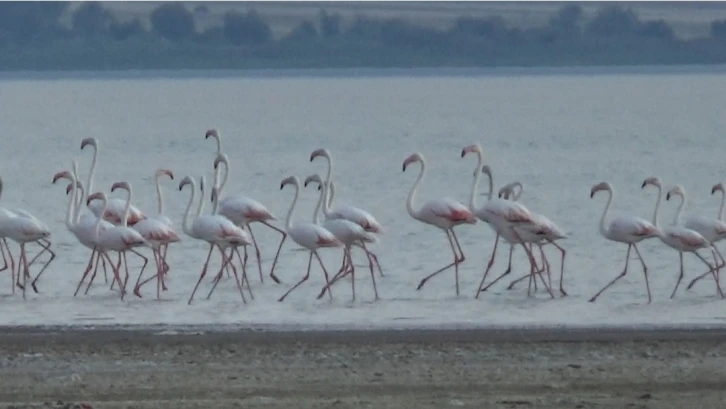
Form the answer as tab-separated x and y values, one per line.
115	206
215	230
624	229
503	216
82	228
443	213
549	234
43	241
243	211
159	232
679	237
120	238
308	235
713	230
348	233
347	212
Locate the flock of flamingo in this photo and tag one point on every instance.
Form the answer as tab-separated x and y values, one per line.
117	226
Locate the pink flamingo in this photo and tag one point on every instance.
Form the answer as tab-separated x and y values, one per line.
549	234
347	212
243	211
215	230
308	235
115	206
82	228
8	228
159	232
624	229
348	233
681	238
508	219
443	213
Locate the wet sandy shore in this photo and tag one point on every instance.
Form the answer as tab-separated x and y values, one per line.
546	368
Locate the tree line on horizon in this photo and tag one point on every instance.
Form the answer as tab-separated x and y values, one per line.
32	37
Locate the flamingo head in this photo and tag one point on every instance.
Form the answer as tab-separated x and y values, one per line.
221	158
507	190
97	195
211	133
413	158
62	175
475	148
69	188
600	186
290	180
320	152
653	180
121	185
677	190
718	187
89	141
186	181
162	172
313	178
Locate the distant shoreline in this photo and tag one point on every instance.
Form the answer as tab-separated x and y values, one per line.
694	69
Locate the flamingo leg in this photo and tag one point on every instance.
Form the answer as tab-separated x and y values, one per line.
103	265
47	248
489	266
26	272
257	252
341	273
116	274
621	275
545	264
89	267
307	275
244	272
277	254
118	267
146	260
126	279
506	272
713	272
12	263
203	273
455	264
158	275
88	271
226	262
697	279
236	276
562	267
645	271
373	257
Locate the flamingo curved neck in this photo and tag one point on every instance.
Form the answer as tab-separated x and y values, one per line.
677	218
201	197
330	193
89	185
218	138
78	205
475	182
316	212
288	221
603	230
657	207
127	208
97	228
71	204
412	194
185	223
159	196
220	185
215	203
723	203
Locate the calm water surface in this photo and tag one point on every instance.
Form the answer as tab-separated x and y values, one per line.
558	135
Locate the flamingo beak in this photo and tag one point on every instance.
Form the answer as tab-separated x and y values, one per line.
644	184
463	152
169	173
668	196
58	176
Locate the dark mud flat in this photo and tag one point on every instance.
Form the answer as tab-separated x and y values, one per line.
377	369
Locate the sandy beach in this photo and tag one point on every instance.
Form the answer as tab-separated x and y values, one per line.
543	368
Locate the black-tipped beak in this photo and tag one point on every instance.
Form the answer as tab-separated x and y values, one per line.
668	196
404	168
713	190
463	152
592	194
281	186
319	187
643	185
305	184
